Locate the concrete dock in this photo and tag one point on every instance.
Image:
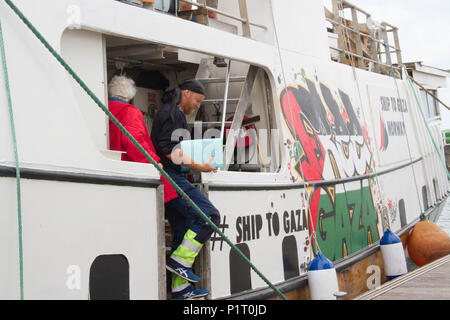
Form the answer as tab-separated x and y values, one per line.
430	282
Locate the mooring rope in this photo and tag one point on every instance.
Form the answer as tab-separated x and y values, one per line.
16	158
409	146
307	186
135	143
428	128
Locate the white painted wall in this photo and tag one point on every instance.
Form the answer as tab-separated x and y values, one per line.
84	51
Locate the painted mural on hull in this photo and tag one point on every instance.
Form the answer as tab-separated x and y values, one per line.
330	142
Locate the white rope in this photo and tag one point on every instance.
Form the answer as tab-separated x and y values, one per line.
408	144
341	10
306	200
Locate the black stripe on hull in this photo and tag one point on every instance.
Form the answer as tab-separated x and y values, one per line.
64	176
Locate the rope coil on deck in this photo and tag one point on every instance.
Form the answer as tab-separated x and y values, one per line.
131	138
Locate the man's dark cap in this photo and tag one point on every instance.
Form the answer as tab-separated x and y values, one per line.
193	85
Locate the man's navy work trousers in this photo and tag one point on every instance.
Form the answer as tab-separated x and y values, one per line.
183	217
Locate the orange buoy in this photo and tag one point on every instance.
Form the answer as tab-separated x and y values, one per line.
427	242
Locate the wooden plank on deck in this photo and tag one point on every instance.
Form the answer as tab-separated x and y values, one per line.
430	282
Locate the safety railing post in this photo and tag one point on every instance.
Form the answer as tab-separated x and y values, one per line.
244	16
387	48
397	47
246	23
357	37
204	11
373	50
339	31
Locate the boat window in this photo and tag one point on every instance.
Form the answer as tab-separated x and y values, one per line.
430	105
425	198
240	272
436	188
290	257
402	211
109	278
238	109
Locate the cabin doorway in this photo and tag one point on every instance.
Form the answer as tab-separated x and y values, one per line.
239	96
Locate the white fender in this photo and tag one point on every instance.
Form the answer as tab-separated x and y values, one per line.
393	255
322	279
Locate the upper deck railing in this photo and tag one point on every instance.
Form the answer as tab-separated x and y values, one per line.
201	13
364	45
368	45
246	23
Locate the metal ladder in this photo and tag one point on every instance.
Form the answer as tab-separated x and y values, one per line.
242	103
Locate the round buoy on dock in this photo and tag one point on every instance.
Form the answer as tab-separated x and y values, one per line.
427	242
393	255
322	279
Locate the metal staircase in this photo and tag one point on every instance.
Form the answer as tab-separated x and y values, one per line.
238	105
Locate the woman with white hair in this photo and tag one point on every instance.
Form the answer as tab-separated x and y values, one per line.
121	91
122	88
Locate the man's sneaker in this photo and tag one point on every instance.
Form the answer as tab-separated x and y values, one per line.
189	292
179	270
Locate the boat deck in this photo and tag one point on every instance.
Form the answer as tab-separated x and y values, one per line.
430	282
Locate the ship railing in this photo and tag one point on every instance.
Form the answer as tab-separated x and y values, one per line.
363	46
203	10
246	23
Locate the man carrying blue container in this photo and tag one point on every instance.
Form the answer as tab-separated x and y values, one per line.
189	229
